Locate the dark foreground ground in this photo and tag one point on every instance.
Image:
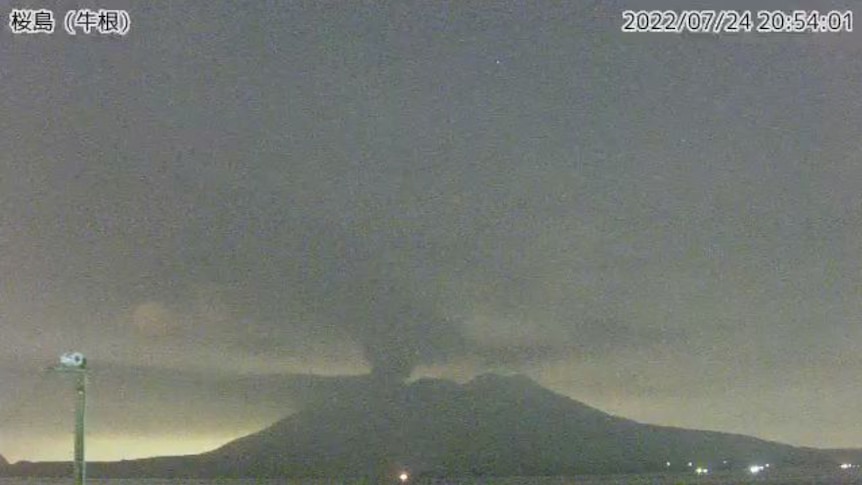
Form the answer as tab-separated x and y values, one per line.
788	477
794	477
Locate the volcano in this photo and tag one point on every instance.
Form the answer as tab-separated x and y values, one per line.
492	426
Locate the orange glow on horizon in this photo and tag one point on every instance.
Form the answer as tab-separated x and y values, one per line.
115	448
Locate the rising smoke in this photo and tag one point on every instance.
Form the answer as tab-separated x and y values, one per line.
398	327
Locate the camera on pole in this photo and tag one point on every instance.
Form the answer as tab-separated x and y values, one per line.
73	360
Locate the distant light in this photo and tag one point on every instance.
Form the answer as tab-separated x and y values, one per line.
667	463
701	471
845	466
403	477
689	463
755	469
767	465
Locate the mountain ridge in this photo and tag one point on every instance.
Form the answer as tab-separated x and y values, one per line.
491	426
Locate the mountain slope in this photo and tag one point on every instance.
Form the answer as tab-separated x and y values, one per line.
492	426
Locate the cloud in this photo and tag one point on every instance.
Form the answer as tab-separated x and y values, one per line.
153	319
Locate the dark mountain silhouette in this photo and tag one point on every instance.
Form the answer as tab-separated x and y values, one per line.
491	426
3	461
845	455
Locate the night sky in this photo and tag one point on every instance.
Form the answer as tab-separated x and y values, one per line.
230	199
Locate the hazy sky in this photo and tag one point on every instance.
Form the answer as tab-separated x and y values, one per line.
227	199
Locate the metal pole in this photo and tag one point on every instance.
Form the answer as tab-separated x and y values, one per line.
80	417
75	363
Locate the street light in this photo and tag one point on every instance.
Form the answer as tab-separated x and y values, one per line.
75	363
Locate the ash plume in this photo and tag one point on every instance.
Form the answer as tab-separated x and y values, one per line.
398	327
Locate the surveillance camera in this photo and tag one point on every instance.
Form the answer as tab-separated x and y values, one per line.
73	359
